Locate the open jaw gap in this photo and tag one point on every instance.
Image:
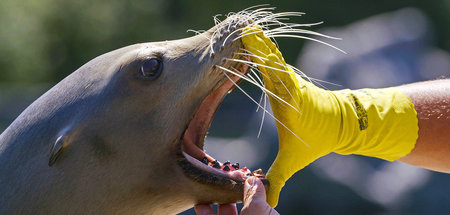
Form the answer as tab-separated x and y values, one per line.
202	167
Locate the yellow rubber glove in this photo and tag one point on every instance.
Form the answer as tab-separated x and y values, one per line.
373	122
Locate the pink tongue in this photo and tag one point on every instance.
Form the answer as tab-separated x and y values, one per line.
190	148
193	150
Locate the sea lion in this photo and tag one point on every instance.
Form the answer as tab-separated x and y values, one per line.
123	134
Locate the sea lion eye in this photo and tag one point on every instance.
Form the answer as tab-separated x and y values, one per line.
151	68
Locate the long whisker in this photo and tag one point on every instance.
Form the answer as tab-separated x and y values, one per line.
272	25
256	6
263	115
197	32
309	38
294	25
253	79
260	101
282	124
246	34
285	87
293	68
257	77
260	65
261	87
282	30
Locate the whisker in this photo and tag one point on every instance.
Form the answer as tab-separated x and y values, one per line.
284	29
260	101
309	38
256	75
261	87
294	69
229	35
261	65
217	20
263	115
243	91
272	25
294	25
252	78
256	6
248	33
285	87
196	32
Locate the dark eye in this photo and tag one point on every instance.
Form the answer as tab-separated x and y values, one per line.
151	68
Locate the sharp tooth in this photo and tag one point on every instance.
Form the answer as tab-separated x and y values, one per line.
216	164
236	165
205	160
226	168
258	171
226	162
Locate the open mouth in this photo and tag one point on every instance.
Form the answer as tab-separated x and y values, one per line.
202	167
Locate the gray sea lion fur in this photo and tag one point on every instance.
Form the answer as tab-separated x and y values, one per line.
105	141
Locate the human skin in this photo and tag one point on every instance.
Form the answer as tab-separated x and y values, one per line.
431	100
254	202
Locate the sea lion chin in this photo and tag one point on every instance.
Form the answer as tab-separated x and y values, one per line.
124	133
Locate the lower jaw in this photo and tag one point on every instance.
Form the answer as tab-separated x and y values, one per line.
219	179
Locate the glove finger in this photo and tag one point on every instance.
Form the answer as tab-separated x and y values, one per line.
276	184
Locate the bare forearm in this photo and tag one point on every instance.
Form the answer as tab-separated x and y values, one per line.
431	100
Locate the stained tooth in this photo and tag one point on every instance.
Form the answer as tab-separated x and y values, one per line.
226	162
226	168
236	165
205	160
216	164
258	171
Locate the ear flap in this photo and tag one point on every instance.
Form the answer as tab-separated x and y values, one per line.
56	150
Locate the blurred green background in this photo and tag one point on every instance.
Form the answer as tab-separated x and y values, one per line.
43	41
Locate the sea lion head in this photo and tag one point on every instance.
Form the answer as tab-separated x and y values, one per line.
124	133
153	116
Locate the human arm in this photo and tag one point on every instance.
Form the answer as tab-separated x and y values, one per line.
313	122
431	101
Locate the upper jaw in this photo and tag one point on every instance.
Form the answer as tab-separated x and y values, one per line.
188	159
229	184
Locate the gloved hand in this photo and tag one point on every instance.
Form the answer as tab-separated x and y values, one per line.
373	122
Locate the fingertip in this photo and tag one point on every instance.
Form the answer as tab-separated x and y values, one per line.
204	209
254	189
227	209
253	181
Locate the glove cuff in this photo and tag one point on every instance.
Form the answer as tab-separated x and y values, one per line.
379	123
